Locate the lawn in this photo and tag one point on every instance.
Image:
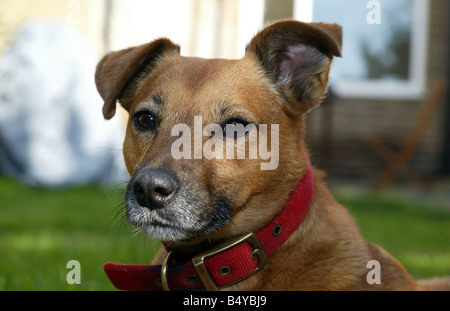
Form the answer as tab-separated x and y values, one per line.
411	228
42	230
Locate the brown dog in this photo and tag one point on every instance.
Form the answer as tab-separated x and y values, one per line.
193	205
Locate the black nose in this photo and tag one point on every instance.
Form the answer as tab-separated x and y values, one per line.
153	188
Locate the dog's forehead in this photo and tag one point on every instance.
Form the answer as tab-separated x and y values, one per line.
194	74
190	84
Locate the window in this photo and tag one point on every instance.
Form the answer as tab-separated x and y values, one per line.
384	49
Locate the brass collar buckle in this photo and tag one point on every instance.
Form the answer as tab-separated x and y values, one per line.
199	261
257	253
164	268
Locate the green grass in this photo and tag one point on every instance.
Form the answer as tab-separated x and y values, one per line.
41	230
412	229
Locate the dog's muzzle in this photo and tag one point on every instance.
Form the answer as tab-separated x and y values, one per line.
170	208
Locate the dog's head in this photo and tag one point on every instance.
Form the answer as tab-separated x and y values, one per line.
188	115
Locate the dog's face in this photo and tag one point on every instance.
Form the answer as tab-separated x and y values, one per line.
185	114
196	196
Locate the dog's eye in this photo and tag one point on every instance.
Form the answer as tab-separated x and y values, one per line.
145	121
235	127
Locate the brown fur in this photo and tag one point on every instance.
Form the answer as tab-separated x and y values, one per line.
283	74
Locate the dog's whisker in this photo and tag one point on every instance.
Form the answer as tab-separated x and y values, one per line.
235	225
136	232
118	219
196	238
168	245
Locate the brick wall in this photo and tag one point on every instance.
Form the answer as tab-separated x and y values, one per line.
340	131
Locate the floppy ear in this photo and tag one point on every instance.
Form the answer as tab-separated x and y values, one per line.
296	57
119	72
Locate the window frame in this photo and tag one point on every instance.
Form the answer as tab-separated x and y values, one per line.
413	88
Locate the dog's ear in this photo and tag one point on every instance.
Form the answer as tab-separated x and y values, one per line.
119	72
296	57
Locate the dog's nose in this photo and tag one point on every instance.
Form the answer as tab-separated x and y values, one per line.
154	187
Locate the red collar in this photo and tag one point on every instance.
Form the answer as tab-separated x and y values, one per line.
226	264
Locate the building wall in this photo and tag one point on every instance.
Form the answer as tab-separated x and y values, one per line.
340	131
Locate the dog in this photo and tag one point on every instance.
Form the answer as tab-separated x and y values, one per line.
219	219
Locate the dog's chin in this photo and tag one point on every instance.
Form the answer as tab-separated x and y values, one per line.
179	223
170	233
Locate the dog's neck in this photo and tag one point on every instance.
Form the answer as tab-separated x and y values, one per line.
186	250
